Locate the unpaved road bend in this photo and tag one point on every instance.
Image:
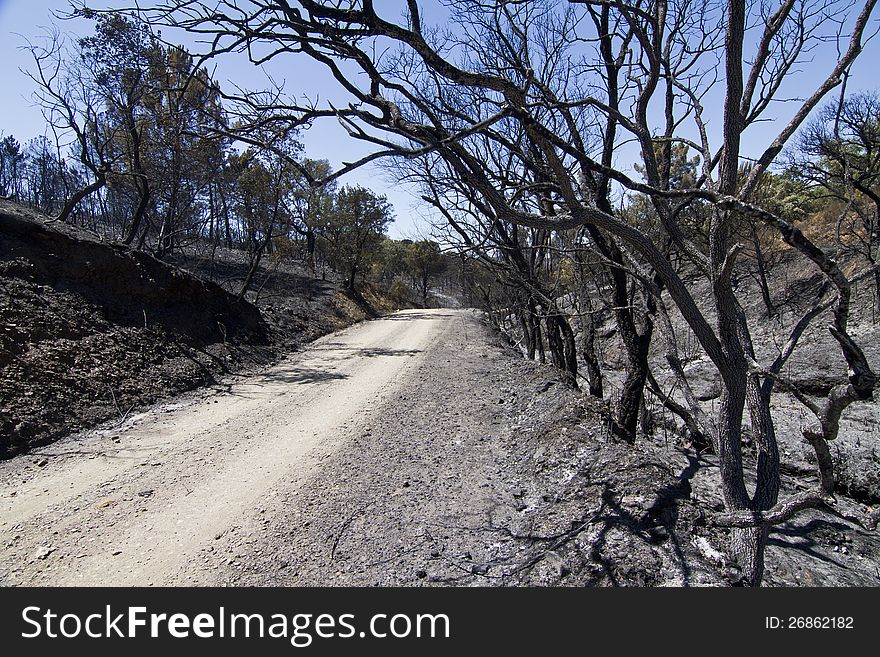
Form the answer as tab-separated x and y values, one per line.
136	503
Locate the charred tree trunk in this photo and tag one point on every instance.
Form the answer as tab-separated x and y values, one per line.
762	276
636	343
877	288
528	336
569	350
554	343
212	215
226	224
633	390
588	343
310	251
67	210
255	264
748	545
142	182
537	335
560	340
139	213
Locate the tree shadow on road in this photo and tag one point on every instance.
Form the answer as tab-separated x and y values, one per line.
367	352
301	375
411	316
294	373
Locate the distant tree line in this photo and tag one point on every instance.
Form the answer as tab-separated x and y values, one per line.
139	151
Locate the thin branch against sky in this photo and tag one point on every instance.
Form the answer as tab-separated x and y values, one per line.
27	20
30	20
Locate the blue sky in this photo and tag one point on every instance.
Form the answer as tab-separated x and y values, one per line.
25	19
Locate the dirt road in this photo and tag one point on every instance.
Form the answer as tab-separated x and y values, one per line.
134	504
410	450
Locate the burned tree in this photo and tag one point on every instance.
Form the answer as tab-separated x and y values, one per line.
561	87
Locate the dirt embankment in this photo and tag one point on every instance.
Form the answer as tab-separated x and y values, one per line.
91	331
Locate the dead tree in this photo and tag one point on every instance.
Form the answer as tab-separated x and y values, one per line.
531	69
